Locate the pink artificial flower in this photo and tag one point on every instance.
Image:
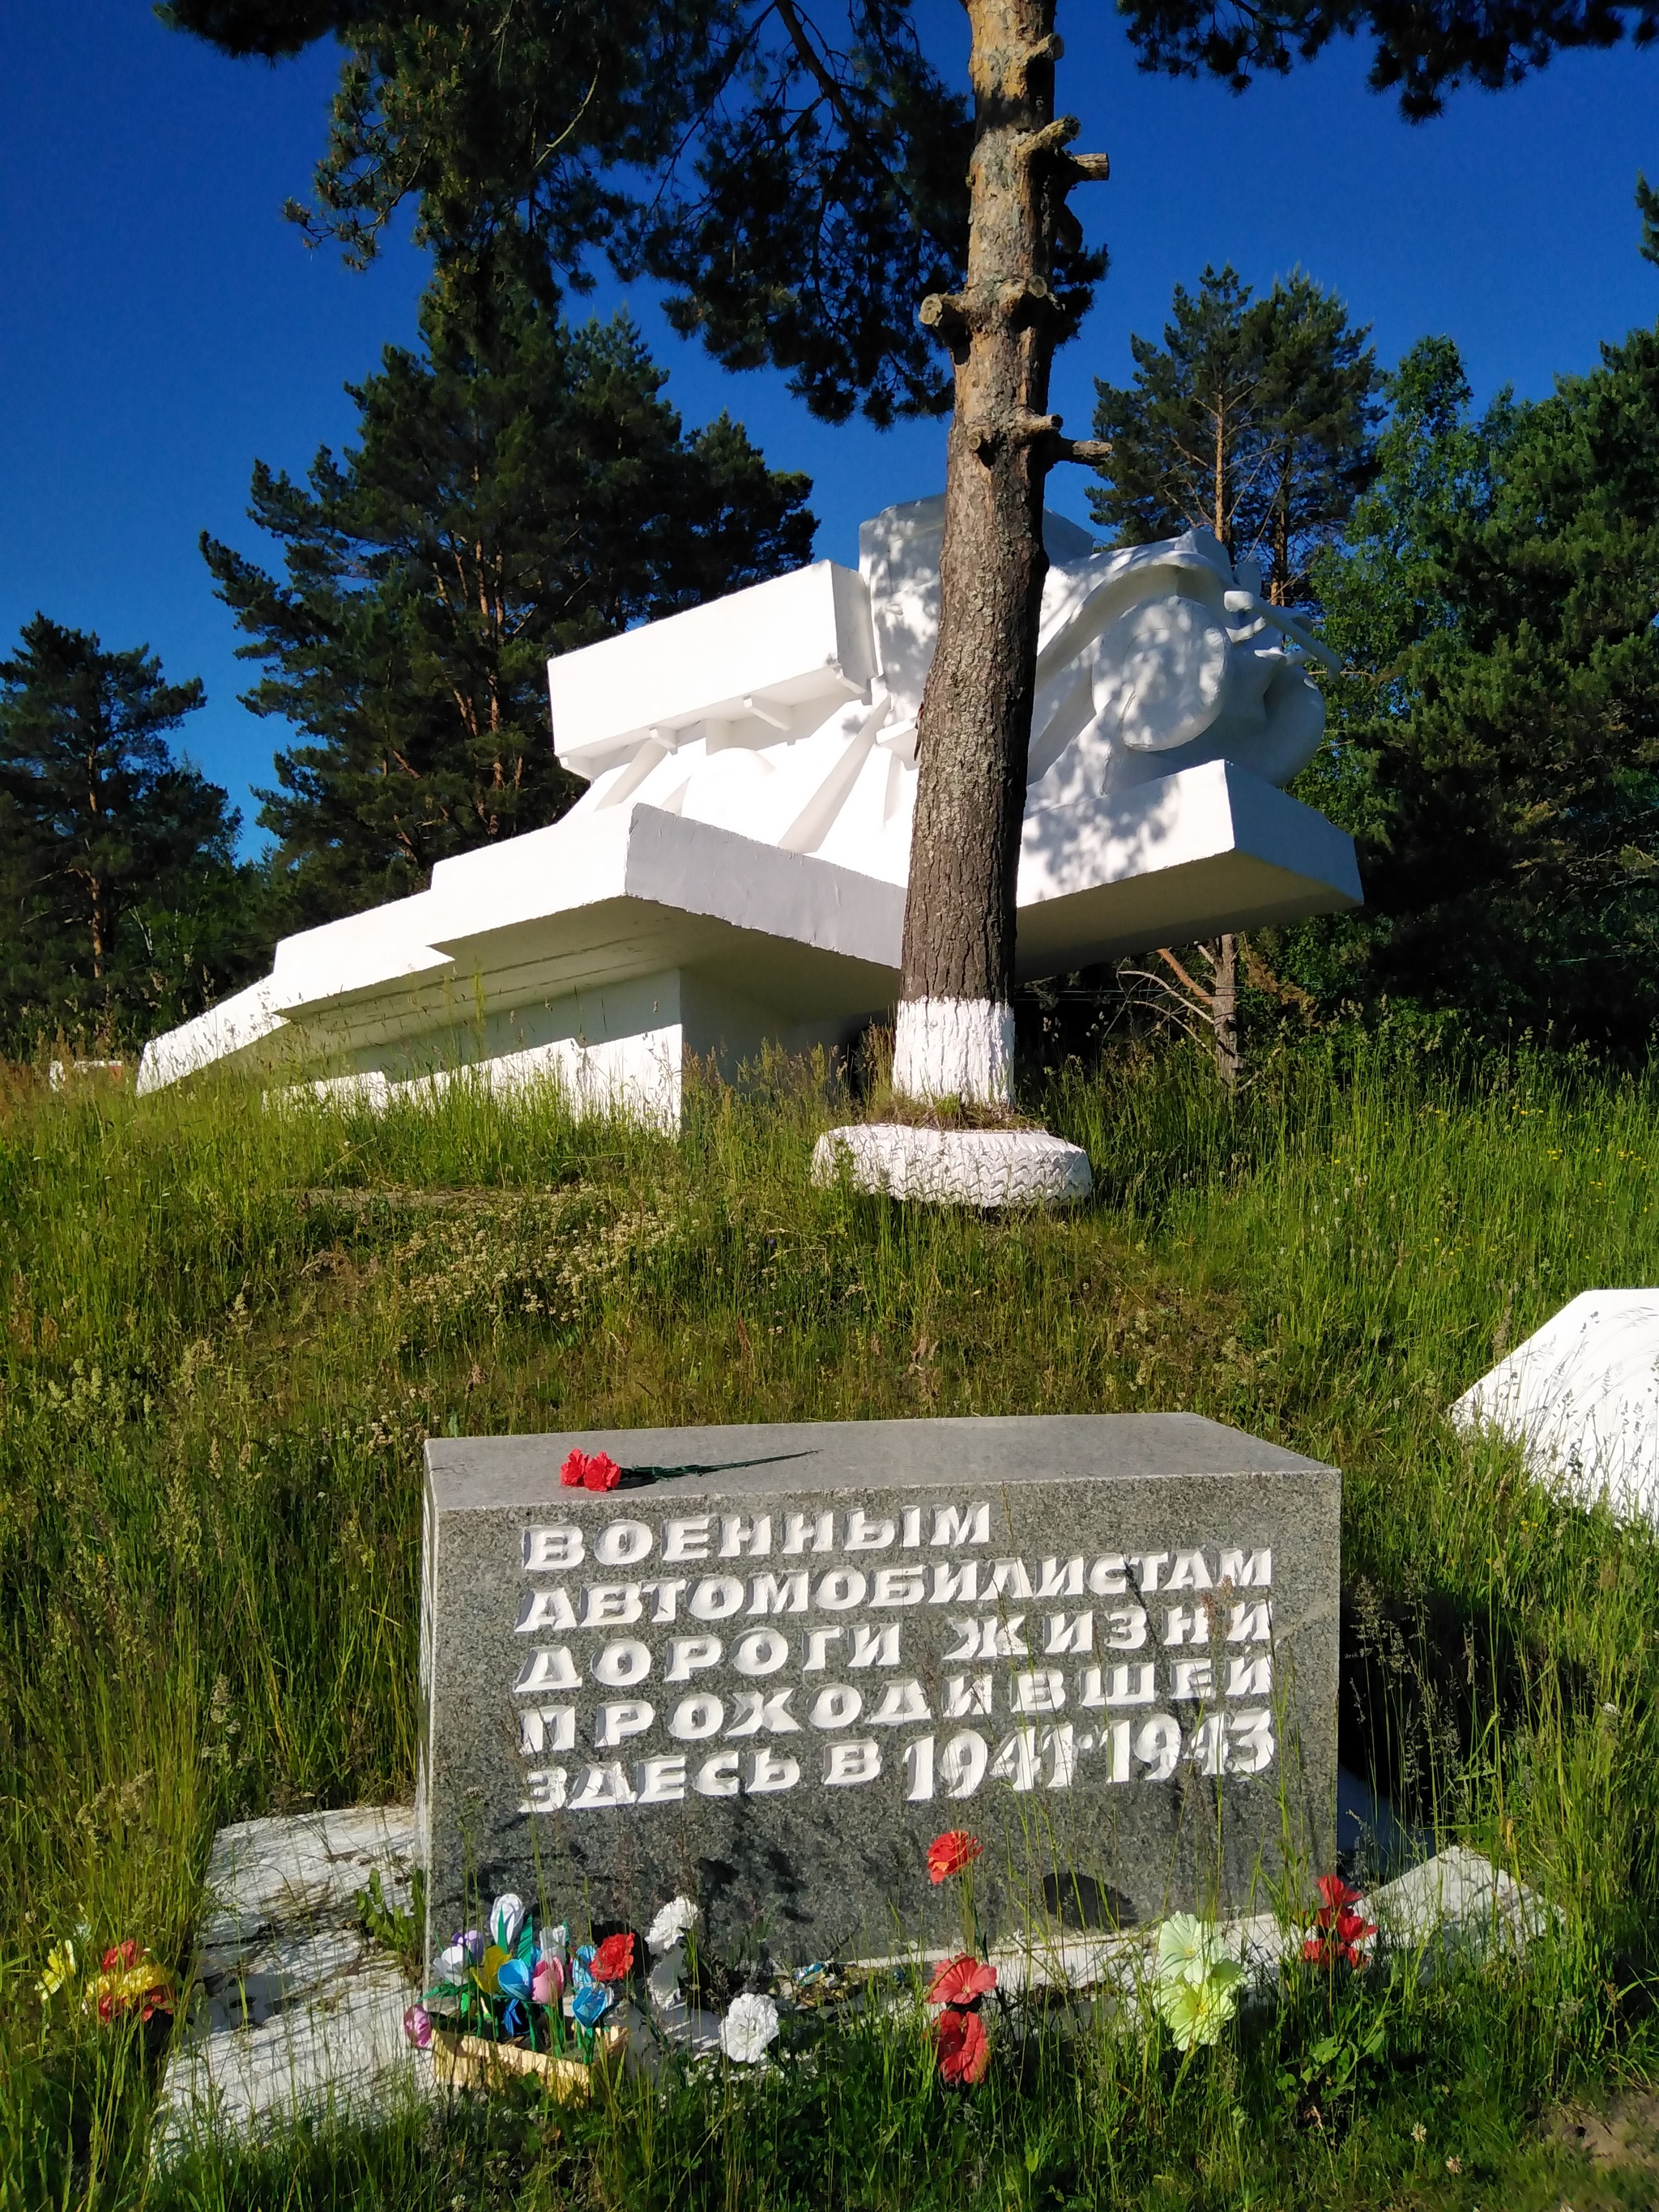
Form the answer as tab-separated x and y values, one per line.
417	2026
547	1982
962	1982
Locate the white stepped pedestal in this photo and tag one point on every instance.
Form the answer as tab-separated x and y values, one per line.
955	1167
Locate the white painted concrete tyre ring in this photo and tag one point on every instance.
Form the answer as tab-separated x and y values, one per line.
985	1168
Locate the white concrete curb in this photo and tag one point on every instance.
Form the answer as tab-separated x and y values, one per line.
955	1167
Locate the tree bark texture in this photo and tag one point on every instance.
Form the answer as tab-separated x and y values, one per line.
1223	1011
974	727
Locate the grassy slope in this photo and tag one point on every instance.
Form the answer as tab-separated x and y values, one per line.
227	1333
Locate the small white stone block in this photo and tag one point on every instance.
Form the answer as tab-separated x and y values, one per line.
1583	1393
955	1167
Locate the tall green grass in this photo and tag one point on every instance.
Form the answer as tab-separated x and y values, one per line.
228	1331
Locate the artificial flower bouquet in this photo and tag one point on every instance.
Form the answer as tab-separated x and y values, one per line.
507	1999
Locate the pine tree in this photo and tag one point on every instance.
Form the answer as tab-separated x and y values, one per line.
1497	720
122	898
814	193
1253	420
517	489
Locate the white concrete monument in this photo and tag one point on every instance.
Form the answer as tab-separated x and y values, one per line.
735	872
1583	1395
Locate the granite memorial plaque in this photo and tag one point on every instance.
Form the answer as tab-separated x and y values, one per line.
774	1663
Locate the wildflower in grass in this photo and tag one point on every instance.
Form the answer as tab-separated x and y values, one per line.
590	1471
749	2029
1454	2166
130	1981
964	2049
1339	1934
60	1968
672	1925
1419	2133
614	1959
417	2026
962	1981
951	1854
1197	1986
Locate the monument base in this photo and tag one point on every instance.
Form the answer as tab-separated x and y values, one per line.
984	1168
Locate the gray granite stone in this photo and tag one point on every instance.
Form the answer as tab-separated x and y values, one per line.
777	1661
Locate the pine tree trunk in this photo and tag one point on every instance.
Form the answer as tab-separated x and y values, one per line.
1224	1011
955	1032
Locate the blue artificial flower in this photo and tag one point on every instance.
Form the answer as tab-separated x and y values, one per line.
591	2002
513	1978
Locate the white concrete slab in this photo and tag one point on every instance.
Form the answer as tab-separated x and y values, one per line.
1583	1395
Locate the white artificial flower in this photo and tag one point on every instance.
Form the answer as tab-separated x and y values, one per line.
673	1923
556	1943
506	1920
747	2028
664	1979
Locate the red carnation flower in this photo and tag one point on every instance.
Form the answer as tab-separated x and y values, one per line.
964	2050
590	1471
1336	1894
961	1981
953	1853
614	1959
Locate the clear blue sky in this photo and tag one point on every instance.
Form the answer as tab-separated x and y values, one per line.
160	324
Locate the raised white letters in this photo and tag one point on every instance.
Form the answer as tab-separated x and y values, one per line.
1188	1572
901	1702
757	1712
687	1539
847	1764
662	1781
1194	1678
1066	1636
545	1608
1110	1575
623	1543
1041	1690
551	1669
546	1787
900	1586
919	1770
874	1647
809	1532
762	1652
1251	1624
601	1787
738	1537
716	1598
772	1769
966	1696
1249	1678
1061	1578
777	1593
545	1548
611	1605
691	1655
616	1722
547	1728
841	1589
819	1641
1186	1624
1008	1579
620	1665
836	1706
1157	1744
958	1584
693	1720
963	1763
1247	1569
1126	1629
962	1524
718	1777
863	1534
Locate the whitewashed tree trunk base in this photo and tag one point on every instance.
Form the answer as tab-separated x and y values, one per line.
954	1048
955	1167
